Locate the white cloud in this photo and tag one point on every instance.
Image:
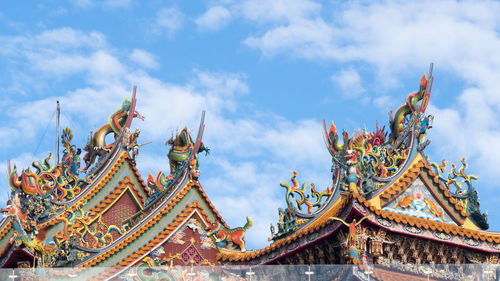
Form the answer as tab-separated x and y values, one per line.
383	103
264	11
169	20
304	38
103	3
349	83
117	3
213	19
222	84
51	41
83	3
144	58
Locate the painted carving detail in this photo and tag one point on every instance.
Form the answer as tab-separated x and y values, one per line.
416	201
229	238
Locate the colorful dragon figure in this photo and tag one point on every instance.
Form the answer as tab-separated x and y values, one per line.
157	183
304	198
231	238
365	152
58	181
179	152
92	234
182	144
96	145
366	155
410	107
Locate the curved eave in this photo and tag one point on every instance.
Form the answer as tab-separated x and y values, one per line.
317	223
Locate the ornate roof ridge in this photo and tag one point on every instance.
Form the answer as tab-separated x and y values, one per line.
92	189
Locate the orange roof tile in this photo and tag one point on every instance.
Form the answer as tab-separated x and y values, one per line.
145	225
318	223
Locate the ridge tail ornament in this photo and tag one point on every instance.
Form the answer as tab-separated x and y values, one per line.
303	197
463	191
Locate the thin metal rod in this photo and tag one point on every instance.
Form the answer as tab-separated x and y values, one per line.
57	131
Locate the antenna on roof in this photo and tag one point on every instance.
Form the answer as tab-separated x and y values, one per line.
57	131
430	69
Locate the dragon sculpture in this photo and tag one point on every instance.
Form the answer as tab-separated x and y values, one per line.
366	156
397	122
181	146
92	233
96	145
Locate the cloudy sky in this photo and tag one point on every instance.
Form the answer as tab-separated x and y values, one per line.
266	72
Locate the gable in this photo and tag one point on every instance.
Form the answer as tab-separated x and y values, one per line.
190	243
417	201
419	174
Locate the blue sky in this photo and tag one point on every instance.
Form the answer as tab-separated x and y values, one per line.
266	72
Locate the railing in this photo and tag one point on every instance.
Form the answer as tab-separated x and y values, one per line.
405	272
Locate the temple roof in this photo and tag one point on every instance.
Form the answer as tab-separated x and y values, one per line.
112	218
390	182
109	214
